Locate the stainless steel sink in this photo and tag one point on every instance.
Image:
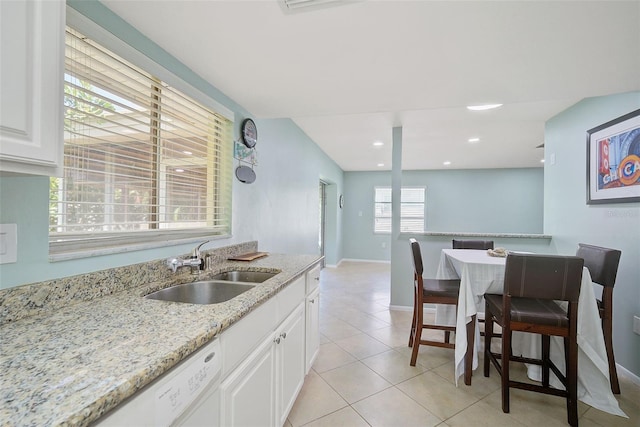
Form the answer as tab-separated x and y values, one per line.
244	276
202	292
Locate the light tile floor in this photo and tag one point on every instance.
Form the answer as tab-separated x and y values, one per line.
362	375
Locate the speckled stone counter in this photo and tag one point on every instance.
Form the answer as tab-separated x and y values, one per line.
71	365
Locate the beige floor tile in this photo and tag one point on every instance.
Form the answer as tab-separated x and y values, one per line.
393	366
355	381
398	318
534	409
361	346
428	356
481	414
392	336
336	329
345	417
331	356
391	408
316	399
437	395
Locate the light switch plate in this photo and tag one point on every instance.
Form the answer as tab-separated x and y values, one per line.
8	243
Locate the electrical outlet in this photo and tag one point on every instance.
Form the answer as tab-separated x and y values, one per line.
636	325
8	243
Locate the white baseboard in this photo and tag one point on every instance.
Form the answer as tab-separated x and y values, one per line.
401	308
623	372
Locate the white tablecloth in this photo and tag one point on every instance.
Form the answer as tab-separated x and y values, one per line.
480	273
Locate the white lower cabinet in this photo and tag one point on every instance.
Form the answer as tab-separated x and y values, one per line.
312	328
248	394
263	388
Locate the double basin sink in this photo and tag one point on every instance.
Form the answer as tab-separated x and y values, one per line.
220	288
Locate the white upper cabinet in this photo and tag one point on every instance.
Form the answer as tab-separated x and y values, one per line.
31	86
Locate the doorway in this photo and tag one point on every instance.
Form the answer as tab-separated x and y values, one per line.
322	188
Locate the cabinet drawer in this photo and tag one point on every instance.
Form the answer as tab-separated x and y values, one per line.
313	278
290	297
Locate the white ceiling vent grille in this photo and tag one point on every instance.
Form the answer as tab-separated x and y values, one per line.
296	6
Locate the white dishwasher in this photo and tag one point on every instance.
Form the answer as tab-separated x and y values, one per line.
187	395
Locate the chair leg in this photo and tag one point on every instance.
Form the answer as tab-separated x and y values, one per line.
468	357
417	336
488	335
546	344
506	352
607	329
571	352
413	323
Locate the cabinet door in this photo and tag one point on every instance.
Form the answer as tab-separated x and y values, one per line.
312	329
290	344
247	395
31	83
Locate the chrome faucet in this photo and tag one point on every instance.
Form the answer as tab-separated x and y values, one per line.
195	261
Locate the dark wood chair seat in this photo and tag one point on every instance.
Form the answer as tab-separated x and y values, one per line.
532	285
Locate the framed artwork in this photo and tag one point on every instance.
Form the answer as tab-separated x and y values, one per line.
613	161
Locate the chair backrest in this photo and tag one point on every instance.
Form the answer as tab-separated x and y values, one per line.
601	262
472	244
417	257
543	276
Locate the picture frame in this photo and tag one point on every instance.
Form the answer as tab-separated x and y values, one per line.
613	161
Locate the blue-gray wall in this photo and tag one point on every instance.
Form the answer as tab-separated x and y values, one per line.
280	210
571	221
481	200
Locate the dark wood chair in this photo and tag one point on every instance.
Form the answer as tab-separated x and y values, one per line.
532	285
429	291
472	244
603	267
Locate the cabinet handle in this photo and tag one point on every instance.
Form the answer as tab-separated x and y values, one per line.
277	340
316	278
313	301
283	335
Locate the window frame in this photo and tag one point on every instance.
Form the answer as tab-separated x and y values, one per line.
82	245
375	216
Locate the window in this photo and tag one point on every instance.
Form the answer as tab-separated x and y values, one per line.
412	204
142	160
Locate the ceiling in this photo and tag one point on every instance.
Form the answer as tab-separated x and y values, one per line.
346	75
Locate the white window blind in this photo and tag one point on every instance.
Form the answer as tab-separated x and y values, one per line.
140	157
412	208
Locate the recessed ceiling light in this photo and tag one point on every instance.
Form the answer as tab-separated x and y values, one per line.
378	143
187	153
542	161
483	107
179	170
380	165
447	163
472	140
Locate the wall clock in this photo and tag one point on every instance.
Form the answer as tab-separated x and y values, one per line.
249	133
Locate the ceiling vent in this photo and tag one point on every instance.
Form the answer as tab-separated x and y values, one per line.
296	6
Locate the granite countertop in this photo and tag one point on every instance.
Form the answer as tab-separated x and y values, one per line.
71	366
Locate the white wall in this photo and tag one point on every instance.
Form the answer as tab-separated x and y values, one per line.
571	221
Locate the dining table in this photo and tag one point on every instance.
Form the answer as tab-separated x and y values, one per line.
480	273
